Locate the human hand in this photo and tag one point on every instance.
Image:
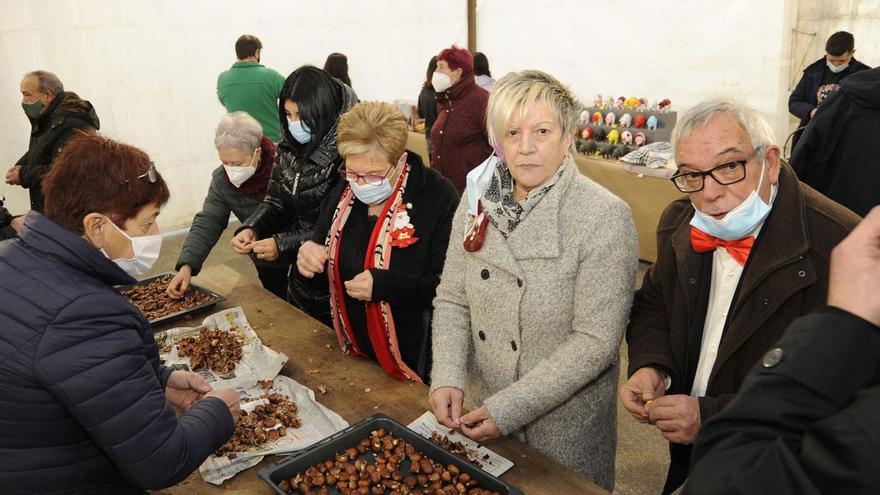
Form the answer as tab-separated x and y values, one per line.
185	388
645	385
242	243
180	283
479	425
854	283
265	249
17	222
813	112
13	175
446	403
310	259
677	417
230	397
361	286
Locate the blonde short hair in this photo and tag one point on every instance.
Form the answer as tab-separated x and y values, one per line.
371	127
518	91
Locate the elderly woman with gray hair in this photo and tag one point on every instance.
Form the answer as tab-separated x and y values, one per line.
237	186
536	290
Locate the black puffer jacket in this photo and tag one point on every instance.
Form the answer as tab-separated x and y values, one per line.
83	406
49	133
293	200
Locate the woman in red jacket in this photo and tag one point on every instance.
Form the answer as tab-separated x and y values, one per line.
458	138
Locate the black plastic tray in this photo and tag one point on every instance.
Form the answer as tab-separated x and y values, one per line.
215	299
351	436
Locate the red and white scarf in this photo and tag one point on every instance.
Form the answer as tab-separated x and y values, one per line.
380	321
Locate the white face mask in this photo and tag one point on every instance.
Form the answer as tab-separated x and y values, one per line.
441	82
837	69
146	251
238	175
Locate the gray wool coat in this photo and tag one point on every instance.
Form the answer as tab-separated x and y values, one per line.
531	325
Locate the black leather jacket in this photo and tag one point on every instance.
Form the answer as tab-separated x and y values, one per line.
291	207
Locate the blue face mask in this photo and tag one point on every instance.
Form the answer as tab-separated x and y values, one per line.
299	131
372	194
837	69
740	221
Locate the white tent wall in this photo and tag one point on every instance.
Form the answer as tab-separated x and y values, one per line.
150	67
686	50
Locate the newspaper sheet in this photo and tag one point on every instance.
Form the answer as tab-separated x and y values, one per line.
318	423
258	362
492	463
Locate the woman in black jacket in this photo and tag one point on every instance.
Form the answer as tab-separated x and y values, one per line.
86	403
304	172
383	233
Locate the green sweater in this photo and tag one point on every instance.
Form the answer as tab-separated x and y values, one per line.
253	88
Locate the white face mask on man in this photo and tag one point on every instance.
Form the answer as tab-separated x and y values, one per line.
145	249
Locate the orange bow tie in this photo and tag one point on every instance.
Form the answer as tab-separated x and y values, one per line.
739	250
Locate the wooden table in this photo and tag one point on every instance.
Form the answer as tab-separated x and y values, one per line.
646	196
315	359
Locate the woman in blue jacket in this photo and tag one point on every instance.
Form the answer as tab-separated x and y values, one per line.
86	406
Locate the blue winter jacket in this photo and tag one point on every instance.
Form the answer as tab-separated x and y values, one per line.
82	403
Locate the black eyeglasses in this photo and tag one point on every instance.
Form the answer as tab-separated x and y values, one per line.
370	179
724	174
150	175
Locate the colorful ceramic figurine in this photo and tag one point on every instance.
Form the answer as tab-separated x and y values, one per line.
626	137
641	139
596	118
664	104
584	117
610	118
599	134
587	133
590	147
606	150
652	123
643	103
620	102
632	102
626	120
597	101
640	121
620	151
613	136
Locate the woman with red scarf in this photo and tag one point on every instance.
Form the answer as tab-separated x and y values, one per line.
237	186
381	239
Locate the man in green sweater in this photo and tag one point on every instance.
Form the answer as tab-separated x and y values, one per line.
251	87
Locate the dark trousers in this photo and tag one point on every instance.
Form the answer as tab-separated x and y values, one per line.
274	279
679	466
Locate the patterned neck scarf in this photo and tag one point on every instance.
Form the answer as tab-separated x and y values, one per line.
500	204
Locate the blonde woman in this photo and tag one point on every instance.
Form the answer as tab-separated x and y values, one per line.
536	290
381	238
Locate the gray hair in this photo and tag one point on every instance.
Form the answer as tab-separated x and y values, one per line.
240	131
518	91
47	81
759	131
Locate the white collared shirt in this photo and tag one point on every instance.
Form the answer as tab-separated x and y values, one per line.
725	277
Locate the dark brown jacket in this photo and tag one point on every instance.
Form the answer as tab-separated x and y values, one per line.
458	139
49	133
785	277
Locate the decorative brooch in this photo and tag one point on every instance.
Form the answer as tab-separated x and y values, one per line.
402	231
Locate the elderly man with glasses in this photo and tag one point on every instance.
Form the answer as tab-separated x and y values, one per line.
739	259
